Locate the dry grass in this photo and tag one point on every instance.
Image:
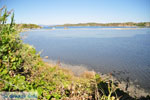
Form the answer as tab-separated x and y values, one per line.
88	74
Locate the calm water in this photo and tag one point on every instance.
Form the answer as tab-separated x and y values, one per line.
126	53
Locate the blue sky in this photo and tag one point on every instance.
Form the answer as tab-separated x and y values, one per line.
50	12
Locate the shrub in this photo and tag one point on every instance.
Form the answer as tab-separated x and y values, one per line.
16	58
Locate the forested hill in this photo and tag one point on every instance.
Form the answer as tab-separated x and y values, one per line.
28	26
141	24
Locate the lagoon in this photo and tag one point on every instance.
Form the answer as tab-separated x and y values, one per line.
125	52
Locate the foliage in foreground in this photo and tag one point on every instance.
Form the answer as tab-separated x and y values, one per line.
22	69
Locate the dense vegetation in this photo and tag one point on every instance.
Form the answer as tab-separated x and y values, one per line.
28	26
22	69
142	24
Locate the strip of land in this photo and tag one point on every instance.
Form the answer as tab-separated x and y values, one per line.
127	24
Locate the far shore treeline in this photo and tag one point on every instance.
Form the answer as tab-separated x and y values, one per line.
131	24
126	24
28	26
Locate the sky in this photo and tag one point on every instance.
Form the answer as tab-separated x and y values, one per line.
52	12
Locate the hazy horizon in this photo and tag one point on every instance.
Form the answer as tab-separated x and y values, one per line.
85	23
56	12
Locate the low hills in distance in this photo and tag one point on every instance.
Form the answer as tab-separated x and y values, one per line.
131	24
28	26
127	24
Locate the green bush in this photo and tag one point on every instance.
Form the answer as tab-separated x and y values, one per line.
15	57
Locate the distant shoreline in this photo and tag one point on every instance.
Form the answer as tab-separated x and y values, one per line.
88	28
126	24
